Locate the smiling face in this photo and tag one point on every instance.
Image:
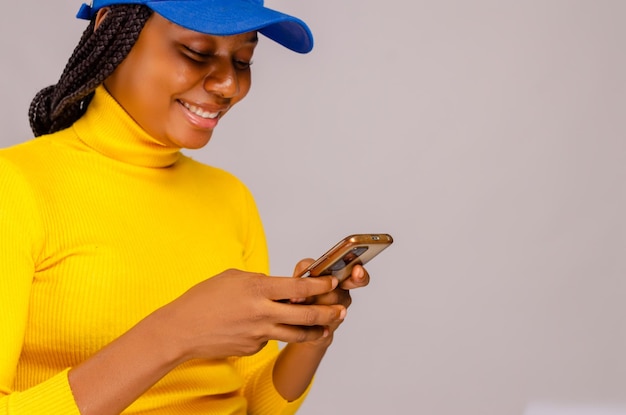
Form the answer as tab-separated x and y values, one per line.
177	83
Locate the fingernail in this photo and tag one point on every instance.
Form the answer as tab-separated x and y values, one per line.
326	332
361	274
343	314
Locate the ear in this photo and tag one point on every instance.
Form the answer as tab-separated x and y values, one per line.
100	15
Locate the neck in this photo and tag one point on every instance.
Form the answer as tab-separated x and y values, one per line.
108	129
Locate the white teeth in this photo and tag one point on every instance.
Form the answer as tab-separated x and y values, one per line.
199	112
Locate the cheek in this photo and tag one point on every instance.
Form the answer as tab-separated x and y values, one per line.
182	76
139	84
158	84
245	83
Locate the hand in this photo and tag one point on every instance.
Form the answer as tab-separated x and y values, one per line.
236	313
339	296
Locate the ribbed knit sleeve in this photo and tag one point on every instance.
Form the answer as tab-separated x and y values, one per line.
262	396
259	389
20	244
255	256
48	398
257	370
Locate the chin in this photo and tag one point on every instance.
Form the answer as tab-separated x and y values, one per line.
195	146
193	142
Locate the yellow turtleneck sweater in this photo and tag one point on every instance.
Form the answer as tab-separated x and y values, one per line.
100	225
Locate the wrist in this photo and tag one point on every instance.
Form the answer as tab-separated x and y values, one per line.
316	346
160	329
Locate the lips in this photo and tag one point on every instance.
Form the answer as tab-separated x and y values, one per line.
200	112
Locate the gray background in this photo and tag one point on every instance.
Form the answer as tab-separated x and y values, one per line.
486	136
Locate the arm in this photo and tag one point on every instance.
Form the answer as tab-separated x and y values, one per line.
231	314
21	239
298	362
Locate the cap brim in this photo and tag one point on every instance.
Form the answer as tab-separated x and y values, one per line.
230	17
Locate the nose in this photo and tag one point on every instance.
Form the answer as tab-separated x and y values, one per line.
222	79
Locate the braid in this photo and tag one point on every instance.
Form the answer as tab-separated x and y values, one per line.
97	55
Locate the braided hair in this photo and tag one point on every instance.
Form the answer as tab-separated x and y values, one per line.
95	57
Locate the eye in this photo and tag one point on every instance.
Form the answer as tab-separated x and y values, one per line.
196	55
242	65
203	57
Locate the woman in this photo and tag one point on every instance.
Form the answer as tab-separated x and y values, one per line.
132	278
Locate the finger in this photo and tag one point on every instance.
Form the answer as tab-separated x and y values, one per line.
337	296
359	278
308	315
302	265
299	334
279	288
298	270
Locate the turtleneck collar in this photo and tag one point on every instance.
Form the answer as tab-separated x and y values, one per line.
108	129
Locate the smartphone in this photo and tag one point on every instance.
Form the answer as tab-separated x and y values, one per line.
350	251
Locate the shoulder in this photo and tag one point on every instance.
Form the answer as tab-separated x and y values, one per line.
19	204
21	165
34	152
216	185
15	160
212	177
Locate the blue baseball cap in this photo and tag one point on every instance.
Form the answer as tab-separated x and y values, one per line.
223	18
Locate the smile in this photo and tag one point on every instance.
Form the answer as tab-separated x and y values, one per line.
200	112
